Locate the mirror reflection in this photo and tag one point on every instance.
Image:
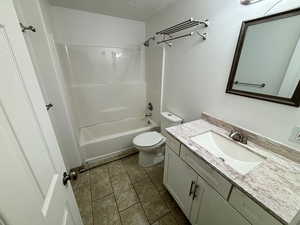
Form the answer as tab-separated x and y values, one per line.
267	58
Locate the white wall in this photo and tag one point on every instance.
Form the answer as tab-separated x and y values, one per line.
103	61
197	72
80	27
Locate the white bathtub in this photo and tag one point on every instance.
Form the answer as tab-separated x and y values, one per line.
110	140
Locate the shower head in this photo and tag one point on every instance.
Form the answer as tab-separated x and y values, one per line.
147	42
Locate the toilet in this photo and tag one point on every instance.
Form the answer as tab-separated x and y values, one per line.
151	144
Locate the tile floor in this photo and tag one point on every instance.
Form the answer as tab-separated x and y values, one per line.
123	193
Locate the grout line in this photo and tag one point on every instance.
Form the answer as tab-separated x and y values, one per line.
157	189
113	193
92	208
139	200
133	188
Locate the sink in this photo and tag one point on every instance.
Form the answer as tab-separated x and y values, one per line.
238	157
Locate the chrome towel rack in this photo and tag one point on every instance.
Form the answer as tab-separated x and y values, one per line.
167	34
203	35
182	26
249	84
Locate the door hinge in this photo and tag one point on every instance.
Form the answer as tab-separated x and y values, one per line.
26	28
49	106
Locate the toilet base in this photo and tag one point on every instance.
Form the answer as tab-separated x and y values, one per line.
147	159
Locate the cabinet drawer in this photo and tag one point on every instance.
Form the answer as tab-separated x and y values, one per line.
173	143
217	181
251	210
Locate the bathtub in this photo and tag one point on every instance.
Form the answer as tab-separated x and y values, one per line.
111	140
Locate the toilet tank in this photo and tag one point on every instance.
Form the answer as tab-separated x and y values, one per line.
168	119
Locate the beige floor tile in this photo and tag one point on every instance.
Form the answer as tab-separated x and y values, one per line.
101	189
116	169
83	198
134	216
105	211
146	191
120	183
166	220
99	172
168	199
83	179
157	170
158	181
179	216
155	209
100	183
136	173
124	192
131	160
156	174
87	218
116	187
126	198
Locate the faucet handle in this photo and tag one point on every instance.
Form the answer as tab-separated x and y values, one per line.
232	132
244	140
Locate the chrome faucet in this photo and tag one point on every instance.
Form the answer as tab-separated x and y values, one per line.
237	136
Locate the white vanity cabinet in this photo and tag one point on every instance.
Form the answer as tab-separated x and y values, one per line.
201	204
180	180
210	208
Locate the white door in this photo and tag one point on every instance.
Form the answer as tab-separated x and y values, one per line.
42	50
32	168
180	180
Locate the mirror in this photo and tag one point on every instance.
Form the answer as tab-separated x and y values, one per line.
266	63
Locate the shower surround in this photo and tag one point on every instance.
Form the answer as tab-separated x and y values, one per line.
104	76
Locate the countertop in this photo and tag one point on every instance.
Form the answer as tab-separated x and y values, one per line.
274	184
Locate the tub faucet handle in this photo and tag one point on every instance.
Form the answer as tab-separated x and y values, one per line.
148	114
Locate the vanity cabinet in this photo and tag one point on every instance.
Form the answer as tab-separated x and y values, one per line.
210	208
210	175
180	180
201	204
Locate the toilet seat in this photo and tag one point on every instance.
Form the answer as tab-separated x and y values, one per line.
149	140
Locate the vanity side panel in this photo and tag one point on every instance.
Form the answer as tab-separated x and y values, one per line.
173	144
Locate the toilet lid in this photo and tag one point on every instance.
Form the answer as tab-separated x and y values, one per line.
148	139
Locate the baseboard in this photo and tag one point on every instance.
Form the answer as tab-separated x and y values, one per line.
103	159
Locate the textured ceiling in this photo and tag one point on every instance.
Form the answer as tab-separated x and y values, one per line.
130	9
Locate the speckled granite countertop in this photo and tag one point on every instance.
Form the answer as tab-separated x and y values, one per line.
273	184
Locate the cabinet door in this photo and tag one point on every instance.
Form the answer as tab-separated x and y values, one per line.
180	180
210	208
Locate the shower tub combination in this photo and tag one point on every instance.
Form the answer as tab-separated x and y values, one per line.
112	140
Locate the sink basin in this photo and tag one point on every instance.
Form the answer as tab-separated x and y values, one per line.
238	157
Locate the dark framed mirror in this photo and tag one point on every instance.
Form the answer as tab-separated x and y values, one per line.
266	63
